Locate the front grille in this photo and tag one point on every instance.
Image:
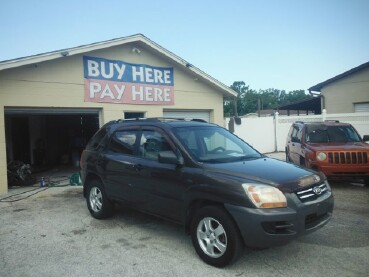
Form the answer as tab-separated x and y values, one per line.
351	157
312	193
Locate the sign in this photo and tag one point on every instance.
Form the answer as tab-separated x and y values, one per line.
112	81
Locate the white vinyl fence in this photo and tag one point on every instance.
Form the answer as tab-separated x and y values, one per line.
268	134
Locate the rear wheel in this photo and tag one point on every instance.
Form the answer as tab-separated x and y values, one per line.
97	202
215	236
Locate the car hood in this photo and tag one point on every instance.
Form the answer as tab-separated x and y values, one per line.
287	177
338	146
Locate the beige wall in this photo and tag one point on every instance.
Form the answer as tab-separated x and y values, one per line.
341	95
60	83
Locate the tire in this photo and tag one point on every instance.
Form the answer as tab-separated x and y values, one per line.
97	202
215	236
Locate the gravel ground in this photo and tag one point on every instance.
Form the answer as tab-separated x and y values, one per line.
51	233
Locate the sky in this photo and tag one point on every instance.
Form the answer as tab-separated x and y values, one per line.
281	44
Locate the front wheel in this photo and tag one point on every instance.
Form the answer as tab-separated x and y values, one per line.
97	202
215	236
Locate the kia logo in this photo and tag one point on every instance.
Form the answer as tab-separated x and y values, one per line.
317	190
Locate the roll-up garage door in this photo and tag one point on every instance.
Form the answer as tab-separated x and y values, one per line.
187	114
361	107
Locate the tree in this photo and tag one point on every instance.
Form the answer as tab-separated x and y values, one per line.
243	99
247	99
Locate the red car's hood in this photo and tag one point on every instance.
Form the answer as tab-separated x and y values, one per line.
338	146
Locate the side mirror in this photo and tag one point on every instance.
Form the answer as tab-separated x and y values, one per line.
366	138
168	157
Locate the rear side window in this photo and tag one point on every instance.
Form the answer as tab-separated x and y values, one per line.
123	142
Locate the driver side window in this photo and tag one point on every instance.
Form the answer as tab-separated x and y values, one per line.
152	143
296	135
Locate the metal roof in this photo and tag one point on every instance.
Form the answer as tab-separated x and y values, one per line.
312	104
319	86
227	91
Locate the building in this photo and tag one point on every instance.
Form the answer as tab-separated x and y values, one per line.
52	103
347	92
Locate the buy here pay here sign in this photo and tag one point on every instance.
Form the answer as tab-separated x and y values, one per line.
113	81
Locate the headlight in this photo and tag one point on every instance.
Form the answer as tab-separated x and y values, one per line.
265	196
321	156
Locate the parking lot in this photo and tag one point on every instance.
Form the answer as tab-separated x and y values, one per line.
52	233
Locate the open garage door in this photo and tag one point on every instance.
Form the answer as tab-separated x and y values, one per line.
188	114
47	137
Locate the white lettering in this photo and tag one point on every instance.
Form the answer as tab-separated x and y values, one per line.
148	75
120	90
103	70
158	75
148	94
167	76
93	68
120	70
166	95
158	94
107	92
94	88
138	73
135	93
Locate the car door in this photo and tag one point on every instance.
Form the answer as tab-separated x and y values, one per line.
119	163
159	188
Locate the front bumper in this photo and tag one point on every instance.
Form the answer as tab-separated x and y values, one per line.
264	228
342	171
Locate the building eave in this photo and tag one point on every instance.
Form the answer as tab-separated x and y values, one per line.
319	86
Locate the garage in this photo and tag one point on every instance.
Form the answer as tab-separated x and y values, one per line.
52	103
189	114
46	138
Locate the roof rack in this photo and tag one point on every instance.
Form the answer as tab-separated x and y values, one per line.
332	120
161	119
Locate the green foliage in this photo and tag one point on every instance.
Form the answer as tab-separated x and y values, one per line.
247	99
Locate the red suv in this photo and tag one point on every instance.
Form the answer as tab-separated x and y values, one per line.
331	147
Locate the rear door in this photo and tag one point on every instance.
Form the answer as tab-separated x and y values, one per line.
119	161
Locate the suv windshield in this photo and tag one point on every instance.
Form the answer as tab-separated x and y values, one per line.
323	133
214	144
